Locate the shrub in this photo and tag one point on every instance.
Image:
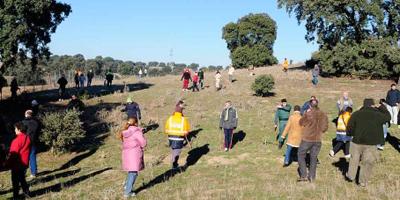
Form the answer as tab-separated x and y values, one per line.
62	130
263	85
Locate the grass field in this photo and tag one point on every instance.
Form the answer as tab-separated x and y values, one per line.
252	170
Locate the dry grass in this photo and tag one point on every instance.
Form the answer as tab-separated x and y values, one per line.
251	170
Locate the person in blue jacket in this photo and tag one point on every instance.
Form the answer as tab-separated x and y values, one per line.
307	105
392	101
132	109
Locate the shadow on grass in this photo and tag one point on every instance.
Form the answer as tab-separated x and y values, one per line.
150	127
193	157
191	136
342	164
238	137
394	141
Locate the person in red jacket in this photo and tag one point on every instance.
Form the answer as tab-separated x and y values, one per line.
18	160
186	77
195	82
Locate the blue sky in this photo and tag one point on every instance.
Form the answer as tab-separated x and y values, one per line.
148	30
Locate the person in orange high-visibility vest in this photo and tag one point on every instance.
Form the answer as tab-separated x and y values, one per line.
177	127
285	65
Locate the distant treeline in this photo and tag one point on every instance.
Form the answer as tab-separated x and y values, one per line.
57	65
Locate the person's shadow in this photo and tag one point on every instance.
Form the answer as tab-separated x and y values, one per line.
394	141
238	137
342	165
194	156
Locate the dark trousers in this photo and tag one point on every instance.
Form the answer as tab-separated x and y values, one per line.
201	83
339	145
313	148
89	82
228	138
18	180
195	87
62	92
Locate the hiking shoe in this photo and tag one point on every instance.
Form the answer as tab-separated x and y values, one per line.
380	147
302	180
331	153
226	149
347	156
286	165
129	195
362	185
32	176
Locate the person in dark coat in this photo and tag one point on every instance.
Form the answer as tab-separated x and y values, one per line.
14	88
62	82
392	101
132	109
186	77
109	78
33	130
228	122
76	104
365	126
201	78
90	76
76	79
307	105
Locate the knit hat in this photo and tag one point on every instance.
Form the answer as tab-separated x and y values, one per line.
129	100
34	103
368	102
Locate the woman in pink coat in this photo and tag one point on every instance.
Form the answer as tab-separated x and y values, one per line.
133	143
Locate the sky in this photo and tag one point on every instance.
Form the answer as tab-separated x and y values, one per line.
182	31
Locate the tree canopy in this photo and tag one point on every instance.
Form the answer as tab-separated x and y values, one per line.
352	28
254	35
25	29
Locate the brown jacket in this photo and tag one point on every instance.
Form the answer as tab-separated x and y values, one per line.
315	123
294	129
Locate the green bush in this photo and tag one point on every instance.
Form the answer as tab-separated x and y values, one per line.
62	130
263	85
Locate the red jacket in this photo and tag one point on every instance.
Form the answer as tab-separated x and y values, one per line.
19	152
195	78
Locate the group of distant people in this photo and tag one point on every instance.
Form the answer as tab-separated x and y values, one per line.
360	134
198	79
315	72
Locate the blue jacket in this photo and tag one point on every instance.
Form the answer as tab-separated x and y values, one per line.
393	97
306	106
133	110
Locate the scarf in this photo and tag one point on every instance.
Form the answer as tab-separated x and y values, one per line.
227	113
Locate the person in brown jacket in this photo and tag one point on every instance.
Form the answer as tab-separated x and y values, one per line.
294	130
315	123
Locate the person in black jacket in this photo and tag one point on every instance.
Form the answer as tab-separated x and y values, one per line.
90	76
76	104
392	101
62	82
33	130
132	109
365	126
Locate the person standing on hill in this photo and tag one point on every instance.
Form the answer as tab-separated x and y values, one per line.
76	79
201	78
344	102
82	80
228	122
177	128
140	73
294	132
109	77
14	88
133	144
18	160
285	65
132	109
383	108
186	77
365	126
90	76
195	82
282	114
315	123
315	75
231	70
218	78
33	131
307	105
62	82
342	140
393	100
145	72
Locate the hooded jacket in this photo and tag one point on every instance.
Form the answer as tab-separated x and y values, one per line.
315	123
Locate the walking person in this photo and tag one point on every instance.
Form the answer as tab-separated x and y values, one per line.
344	102
186	77
14	88
76	79
201	78
365	126
62	82
132	109
315	75
228	122
383	108
82	80
195	82
315	123
133	144
145	72
177	128
140	73
33	131
282	114
18	160
307	105
393	100
90	76
285	65
218	78
231	70
293	131
109	78
342	140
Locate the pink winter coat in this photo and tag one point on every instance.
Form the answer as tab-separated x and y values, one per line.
132	149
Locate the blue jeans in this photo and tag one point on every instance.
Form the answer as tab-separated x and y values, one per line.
228	138
315	80
288	155
32	161
130	180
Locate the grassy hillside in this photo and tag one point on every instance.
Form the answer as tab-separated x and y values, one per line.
252	170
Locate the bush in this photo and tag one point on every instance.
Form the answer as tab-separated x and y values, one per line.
62	130
263	85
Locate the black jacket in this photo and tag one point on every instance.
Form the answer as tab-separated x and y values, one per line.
33	129
76	104
393	97
366	124
62	82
